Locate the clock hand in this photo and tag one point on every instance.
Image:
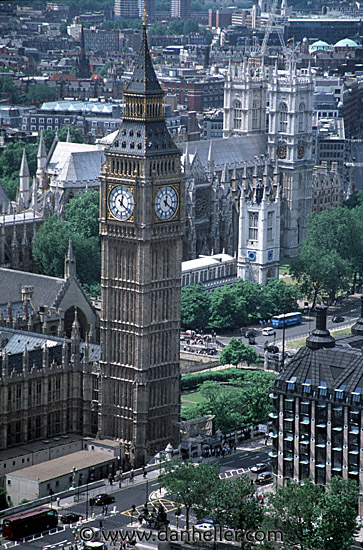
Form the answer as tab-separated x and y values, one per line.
166	202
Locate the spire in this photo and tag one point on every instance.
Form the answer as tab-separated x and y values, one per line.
82	65
53	146
70	262
144	79
69	138
41	149
56	199
24	170
24	181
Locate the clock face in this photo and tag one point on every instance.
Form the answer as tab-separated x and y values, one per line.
281	151
166	203
121	202
300	150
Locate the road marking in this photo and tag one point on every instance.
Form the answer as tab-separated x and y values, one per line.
167	504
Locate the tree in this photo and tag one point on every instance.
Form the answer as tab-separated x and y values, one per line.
51	245
38	93
315	517
7	86
225	310
194	306
295	508
236	352
189	484
10	161
230	503
355	199
338	522
83	212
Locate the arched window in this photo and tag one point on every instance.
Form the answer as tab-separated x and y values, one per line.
283	117
301	117
237	114
255	115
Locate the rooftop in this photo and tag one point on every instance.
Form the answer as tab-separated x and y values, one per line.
61	466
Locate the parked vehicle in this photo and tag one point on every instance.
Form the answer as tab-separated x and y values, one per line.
272	349
265	477
258	468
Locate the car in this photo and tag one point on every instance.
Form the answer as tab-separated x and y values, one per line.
102	500
272	349
338	319
204	526
249	334
268	331
71	517
258	468
265	477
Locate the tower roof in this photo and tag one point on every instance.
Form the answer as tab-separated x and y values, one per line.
144	79
24	170
41	149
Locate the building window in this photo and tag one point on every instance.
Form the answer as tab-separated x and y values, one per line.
270	220
237	114
253	226
94	388
283	117
255	117
301	117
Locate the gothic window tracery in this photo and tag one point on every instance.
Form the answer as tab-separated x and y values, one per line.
237	114
253	226
301	117
283	117
255	115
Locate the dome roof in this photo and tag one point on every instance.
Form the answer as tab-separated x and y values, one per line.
346	43
319	45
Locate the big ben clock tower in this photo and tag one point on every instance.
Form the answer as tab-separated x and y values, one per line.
141	228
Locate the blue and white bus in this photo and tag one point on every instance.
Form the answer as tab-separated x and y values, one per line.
293	318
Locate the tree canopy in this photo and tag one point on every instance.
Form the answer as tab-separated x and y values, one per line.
316	518
331	255
10	161
190	485
81	223
38	93
235	352
195	301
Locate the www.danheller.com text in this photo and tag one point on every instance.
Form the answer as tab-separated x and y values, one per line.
216	534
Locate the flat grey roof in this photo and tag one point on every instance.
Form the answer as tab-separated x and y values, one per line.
61	466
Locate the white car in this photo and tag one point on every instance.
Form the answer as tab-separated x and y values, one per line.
204	527
268	331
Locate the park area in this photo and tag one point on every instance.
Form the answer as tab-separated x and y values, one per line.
237	397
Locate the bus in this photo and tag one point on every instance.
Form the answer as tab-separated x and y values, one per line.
29	523
293	318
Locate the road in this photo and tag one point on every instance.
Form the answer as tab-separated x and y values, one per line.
135	494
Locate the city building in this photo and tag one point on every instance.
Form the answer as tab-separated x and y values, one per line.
212	271
286	138
127	8
141	228
180	9
317	416
327	187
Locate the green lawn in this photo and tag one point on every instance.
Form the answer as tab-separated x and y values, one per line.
192	398
302	341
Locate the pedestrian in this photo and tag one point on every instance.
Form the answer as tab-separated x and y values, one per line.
103	510
266	438
120	480
132	475
58	502
106	508
144	472
235	448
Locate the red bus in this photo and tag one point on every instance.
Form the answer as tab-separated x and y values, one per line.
29	523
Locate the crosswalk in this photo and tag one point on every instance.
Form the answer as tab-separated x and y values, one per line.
234	472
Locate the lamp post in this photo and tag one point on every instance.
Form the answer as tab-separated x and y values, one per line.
74	472
283	344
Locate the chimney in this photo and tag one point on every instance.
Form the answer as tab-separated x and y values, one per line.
320	337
